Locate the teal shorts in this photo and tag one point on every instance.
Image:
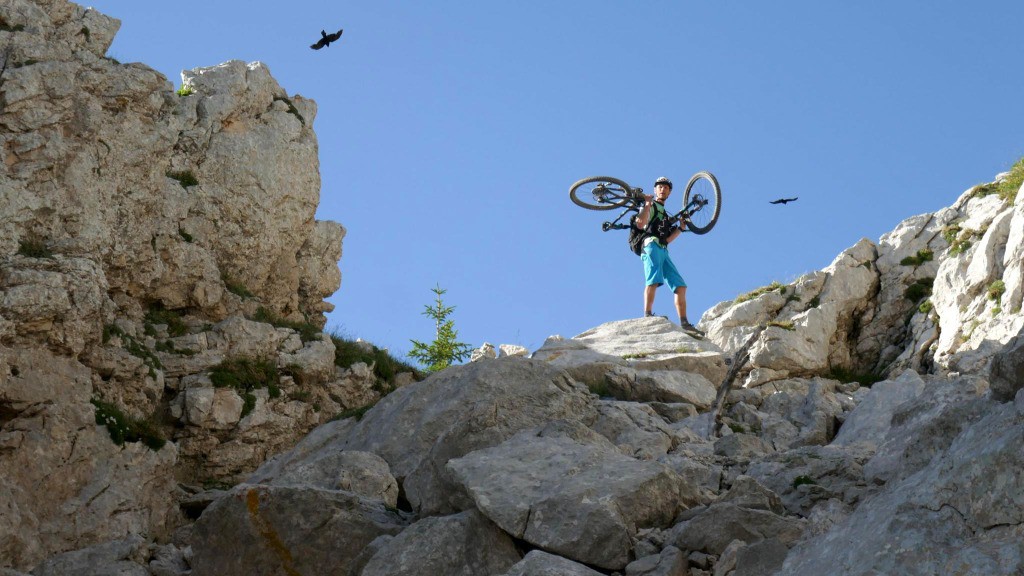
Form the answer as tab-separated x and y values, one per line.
658	267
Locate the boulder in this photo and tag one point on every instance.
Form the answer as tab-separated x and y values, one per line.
116	558
1007	373
566	490
652	343
540	563
712	530
870	422
465	544
419	428
288	530
962	513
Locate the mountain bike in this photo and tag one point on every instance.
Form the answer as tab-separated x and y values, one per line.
702	200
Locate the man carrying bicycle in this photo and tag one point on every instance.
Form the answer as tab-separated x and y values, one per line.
660	229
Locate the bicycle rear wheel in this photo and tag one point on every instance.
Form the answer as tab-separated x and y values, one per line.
704	189
601	193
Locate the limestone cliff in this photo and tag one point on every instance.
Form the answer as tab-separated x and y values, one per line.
941	293
148	237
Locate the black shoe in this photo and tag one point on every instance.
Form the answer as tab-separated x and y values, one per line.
690	329
653	315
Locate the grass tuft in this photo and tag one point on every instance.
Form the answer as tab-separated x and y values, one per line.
775	285
245	375
921	257
124	428
385	367
919	289
34	247
184	177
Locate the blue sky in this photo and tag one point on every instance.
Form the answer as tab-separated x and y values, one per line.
450	132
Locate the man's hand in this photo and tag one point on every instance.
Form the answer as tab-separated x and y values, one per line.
649	198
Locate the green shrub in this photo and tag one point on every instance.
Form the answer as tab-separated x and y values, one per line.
5	27
925	307
921	257
184	177
385	366
637	356
737	428
291	108
919	289
996	290
865	379
775	285
1008	188
814	303
185	90
803	480
157	314
236	287
245	375
34	247
123	428
959	239
784	325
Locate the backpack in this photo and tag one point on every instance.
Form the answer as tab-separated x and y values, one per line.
636	237
662	228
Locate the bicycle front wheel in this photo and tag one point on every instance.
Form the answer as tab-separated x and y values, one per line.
600	193
704	191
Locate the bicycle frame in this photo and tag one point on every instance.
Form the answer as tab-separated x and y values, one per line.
696	203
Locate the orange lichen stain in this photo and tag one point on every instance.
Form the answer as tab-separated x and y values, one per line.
252	502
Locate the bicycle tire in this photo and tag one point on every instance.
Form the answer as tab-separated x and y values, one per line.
705	184
579	190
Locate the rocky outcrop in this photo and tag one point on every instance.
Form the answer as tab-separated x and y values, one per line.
940	293
129	215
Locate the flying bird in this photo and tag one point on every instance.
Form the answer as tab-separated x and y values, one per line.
782	200
326	39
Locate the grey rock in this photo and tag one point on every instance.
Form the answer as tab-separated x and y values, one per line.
962	513
464	544
116	558
670	562
419	428
746	492
760	558
540	563
721	523
283	529
1007	372
741	447
568	491
870	421
660	386
635	428
804	476
925	426
169	560
362	473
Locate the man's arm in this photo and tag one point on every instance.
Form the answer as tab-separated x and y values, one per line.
645	212
675	233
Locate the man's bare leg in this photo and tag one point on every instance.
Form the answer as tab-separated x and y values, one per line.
681	303
649	298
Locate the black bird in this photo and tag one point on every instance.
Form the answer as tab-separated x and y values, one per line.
782	200
326	39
